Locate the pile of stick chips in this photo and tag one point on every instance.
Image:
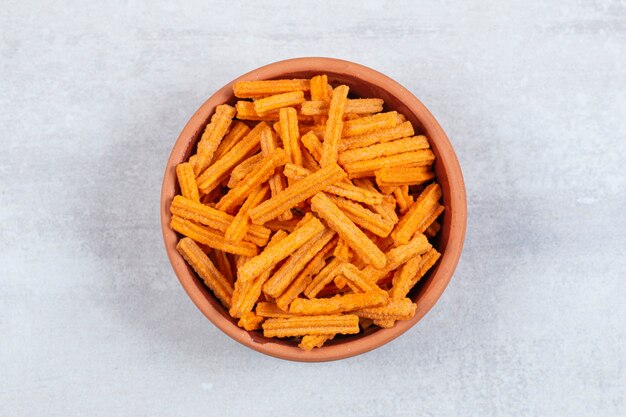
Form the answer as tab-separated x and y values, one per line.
307	212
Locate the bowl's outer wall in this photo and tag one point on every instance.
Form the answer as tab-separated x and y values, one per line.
363	82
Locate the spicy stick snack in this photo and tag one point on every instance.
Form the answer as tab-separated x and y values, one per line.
306	210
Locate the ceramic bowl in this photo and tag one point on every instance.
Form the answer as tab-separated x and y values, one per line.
364	82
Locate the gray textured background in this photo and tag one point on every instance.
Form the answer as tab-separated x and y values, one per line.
92	318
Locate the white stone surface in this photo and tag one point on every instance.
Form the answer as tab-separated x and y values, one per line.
93	95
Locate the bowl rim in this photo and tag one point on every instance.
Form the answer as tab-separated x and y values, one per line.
206	302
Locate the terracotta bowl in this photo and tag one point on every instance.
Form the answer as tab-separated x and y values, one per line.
363	82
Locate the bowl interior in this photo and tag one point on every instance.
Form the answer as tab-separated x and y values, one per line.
363	82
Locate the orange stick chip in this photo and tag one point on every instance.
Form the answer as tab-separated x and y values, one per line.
338	303
296	193
187	181
277	128
295	289
320	91
212	136
262	173
295	264
254	89
237	132
387	210
223	265
250	321
310	341
323	278
433	229
401	283
429	259
340	281
389	206
409	144
367	167
277	181
409	223
402	309
388	191
247	111
334	125
303	326
364	217
347	230
418	267
205	269
319	88
244	168
265	309
246	294
272	256
210	237
240	260
211	178
290	134
216	129
394	177
314	108
354	278
342	251
402	130
403	199
364	106
267	104
343	189
369	124
384	323
317	130
309	162
192	210
352	192
313	145
353	106
239	226
398	256
430	218
304	278
295	172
